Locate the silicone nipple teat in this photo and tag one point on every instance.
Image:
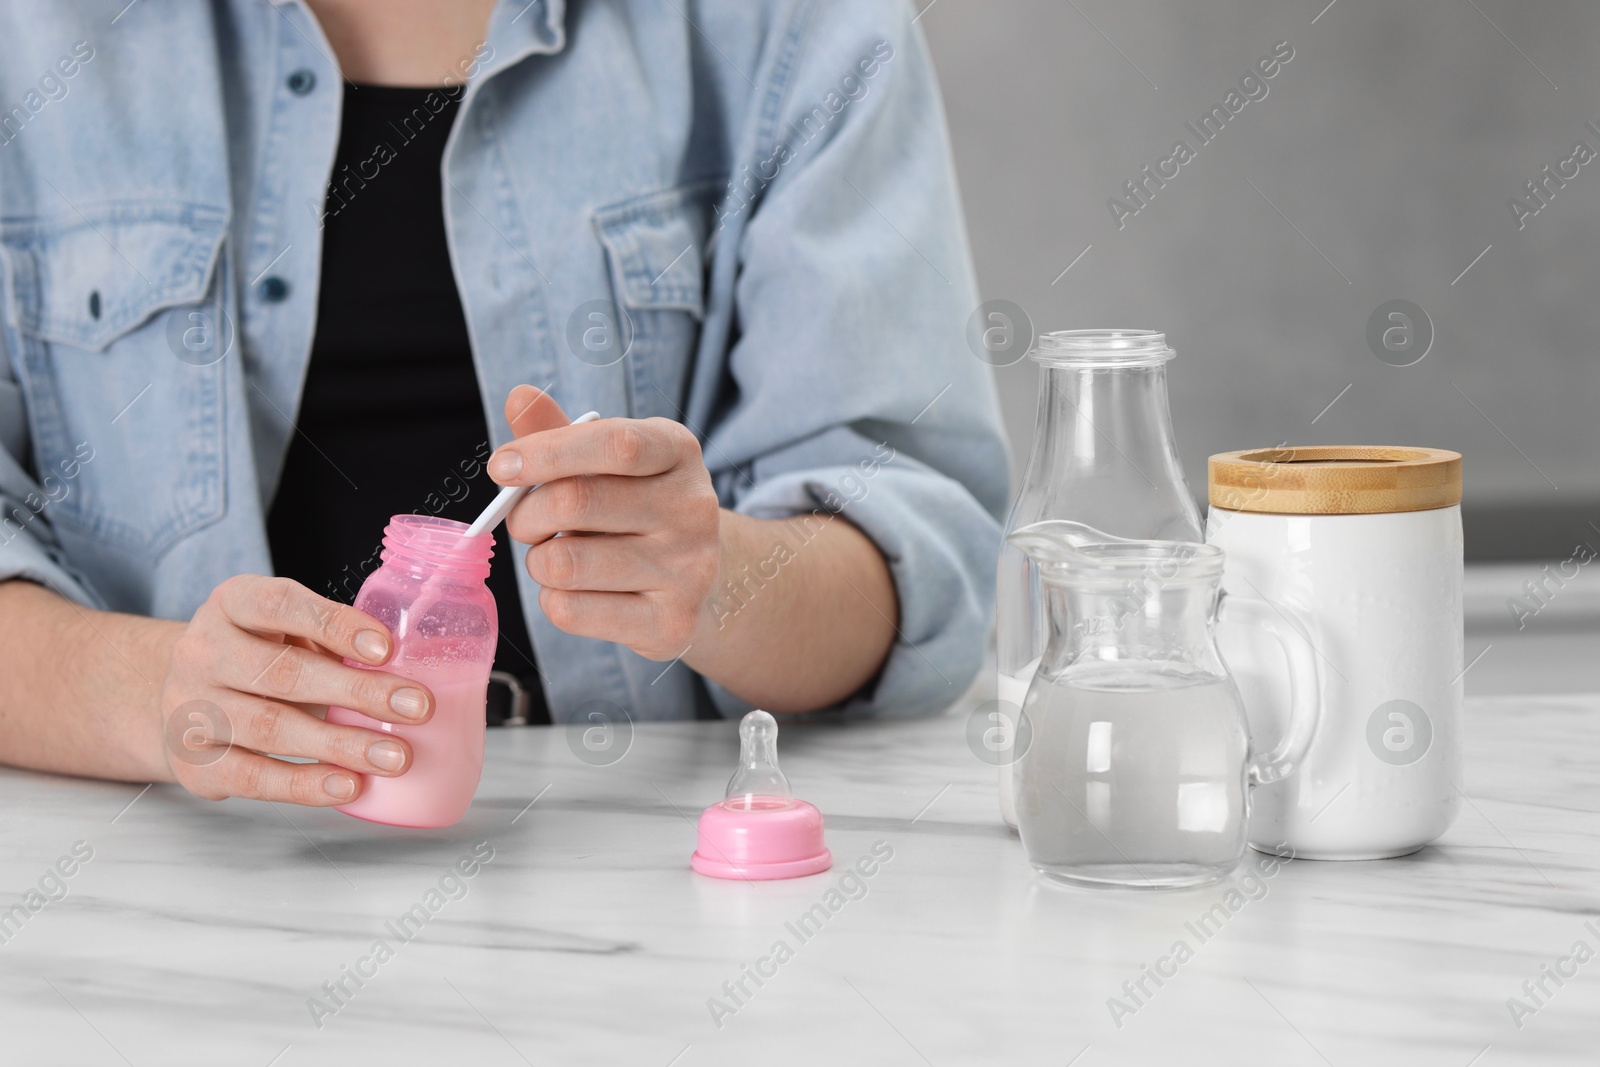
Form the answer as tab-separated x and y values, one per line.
758	784
760	830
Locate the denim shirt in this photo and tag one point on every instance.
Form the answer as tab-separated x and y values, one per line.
739	215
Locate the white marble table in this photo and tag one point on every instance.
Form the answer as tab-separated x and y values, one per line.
198	932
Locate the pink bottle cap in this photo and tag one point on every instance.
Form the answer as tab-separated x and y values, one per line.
760	831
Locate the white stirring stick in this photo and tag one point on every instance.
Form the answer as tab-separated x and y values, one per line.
496	513
492	516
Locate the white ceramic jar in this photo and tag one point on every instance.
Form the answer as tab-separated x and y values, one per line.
1364	546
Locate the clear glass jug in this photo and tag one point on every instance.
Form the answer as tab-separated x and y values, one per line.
1103	454
1139	764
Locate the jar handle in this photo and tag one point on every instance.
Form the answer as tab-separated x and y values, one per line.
1305	690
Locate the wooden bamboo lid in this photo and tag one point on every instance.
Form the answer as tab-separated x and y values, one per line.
1334	480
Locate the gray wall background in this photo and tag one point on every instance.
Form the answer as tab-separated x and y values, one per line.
1391	142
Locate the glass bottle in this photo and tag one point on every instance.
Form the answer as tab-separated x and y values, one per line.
1104	455
430	592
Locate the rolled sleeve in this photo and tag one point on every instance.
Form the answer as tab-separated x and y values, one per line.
28	547
855	392
940	545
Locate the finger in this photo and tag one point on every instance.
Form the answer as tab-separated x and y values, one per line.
295	675
610	562
631	619
529	410
281	606
632	447
596	503
242	773
281	730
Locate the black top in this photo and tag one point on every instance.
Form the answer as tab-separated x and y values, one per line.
391	420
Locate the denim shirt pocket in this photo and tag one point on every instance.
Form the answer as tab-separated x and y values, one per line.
116	310
655	247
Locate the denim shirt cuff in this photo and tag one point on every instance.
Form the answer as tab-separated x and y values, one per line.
943	573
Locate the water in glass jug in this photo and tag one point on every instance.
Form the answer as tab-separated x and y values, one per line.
1139	762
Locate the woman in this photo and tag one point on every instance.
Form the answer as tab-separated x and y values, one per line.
269	264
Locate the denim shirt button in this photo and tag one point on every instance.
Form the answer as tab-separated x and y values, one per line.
302	82
274	289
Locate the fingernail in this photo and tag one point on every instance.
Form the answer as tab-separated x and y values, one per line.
339	786
409	702
372	645
386	755
505	465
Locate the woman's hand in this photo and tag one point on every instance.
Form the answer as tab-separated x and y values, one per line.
253	674
639	493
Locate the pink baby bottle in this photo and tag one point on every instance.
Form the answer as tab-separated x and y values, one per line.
430	593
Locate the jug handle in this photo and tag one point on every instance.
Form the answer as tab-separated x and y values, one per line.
1305	690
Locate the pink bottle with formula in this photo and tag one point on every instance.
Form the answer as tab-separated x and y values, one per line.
430	593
